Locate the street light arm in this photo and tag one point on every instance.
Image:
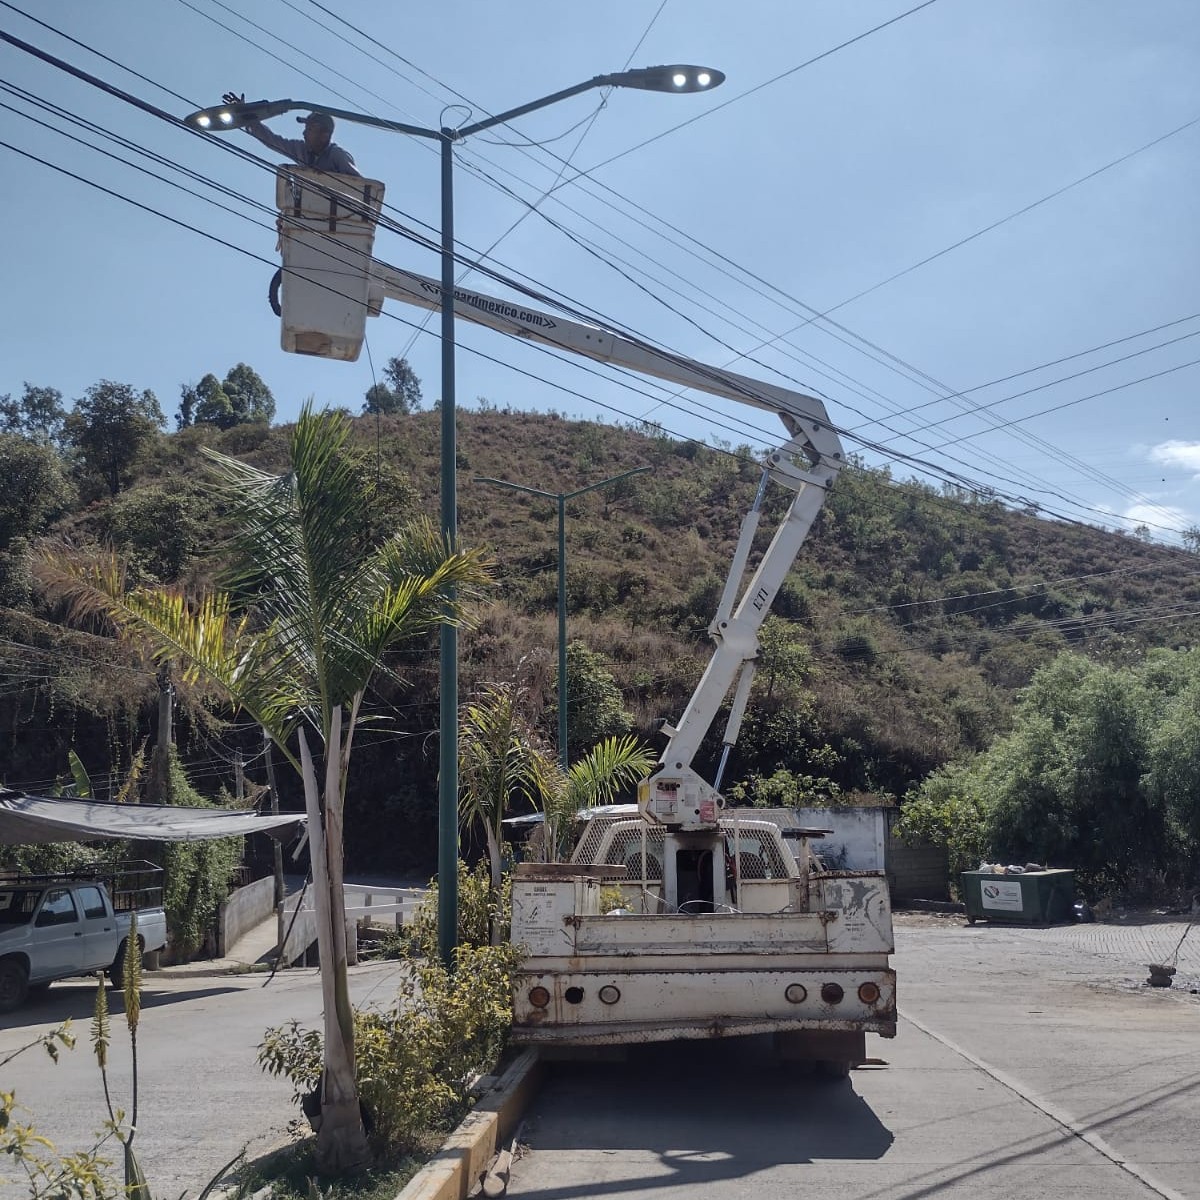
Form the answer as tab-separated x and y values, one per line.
591	487
358	118
521	110
222	118
519	487
677	78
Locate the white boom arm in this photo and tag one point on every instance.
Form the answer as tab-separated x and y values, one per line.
330	282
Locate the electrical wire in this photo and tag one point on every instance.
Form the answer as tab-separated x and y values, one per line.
159	113
1123	159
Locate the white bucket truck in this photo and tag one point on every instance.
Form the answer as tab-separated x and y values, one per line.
725	927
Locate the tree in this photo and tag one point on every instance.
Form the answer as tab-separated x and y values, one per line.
500	761
310	610
207	404
596	778
249	397
35	489
38	415
1065	787
1173	778
593	700
400	393
110	427
242	397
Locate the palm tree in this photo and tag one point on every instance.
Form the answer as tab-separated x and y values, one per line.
596	778
311	606
500	760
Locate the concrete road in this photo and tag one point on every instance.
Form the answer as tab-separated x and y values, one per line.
1029	1062
202	1095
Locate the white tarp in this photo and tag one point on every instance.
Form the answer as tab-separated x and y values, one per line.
28	819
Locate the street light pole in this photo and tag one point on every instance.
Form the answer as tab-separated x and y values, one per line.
447	859
561	498
678	78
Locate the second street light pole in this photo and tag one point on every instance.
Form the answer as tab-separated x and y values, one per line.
561	498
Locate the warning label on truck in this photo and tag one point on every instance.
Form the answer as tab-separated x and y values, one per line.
1002	894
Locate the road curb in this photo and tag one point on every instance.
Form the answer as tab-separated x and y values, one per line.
465	1154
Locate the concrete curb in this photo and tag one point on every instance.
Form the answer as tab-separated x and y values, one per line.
464	1156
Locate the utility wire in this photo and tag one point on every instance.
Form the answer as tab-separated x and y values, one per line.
159	113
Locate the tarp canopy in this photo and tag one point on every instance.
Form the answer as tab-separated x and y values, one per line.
28	819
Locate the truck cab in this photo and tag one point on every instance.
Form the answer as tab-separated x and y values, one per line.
78	923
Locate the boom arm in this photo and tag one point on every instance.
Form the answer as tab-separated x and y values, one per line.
323	272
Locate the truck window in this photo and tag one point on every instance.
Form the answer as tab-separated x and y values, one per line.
17	905
92	900
58	908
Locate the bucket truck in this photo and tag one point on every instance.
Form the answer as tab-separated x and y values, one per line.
724	925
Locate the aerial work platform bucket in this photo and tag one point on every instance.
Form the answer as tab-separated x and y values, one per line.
326	234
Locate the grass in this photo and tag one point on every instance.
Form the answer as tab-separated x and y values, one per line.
289	1172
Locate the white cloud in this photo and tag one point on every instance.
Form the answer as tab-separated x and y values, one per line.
1161	519
1177	454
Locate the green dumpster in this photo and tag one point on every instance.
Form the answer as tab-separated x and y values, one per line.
1030	898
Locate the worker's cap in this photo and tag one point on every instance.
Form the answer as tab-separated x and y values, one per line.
319	120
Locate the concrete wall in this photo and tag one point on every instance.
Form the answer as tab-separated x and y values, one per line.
862	840
858	841
920	872
243	909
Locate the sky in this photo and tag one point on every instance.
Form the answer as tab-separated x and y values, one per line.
913	210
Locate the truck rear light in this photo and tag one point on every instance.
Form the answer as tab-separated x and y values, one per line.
832	993
795	993
539	997
573	995
610	994
868	993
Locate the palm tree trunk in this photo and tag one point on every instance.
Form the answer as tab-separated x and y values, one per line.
341	1141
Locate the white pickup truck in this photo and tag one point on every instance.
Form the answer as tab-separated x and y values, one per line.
56	926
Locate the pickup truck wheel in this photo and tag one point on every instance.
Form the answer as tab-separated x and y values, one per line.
14	984
834	1068
116	973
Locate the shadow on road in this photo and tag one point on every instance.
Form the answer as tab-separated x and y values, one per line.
78	1001
709	1110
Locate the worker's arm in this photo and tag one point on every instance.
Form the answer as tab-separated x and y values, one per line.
294	148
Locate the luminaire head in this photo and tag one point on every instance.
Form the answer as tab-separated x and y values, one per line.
223	117
676	77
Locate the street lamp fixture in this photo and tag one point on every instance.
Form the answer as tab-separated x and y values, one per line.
675	78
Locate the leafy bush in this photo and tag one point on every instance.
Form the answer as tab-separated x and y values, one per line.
197	874
946	810
415	1063
478	911
785	789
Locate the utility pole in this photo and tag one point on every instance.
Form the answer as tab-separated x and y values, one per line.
276	845
158	785
561	499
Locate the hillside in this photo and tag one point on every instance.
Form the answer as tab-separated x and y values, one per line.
900	638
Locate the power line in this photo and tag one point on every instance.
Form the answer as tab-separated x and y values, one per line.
536	293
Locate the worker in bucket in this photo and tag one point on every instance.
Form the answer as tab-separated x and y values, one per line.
315	150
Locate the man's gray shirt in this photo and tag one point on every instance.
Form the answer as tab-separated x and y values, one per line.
332	158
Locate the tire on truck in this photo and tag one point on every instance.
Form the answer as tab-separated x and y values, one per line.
116	972
832	1053
14	983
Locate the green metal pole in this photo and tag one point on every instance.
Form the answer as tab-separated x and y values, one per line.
448	773
562	630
